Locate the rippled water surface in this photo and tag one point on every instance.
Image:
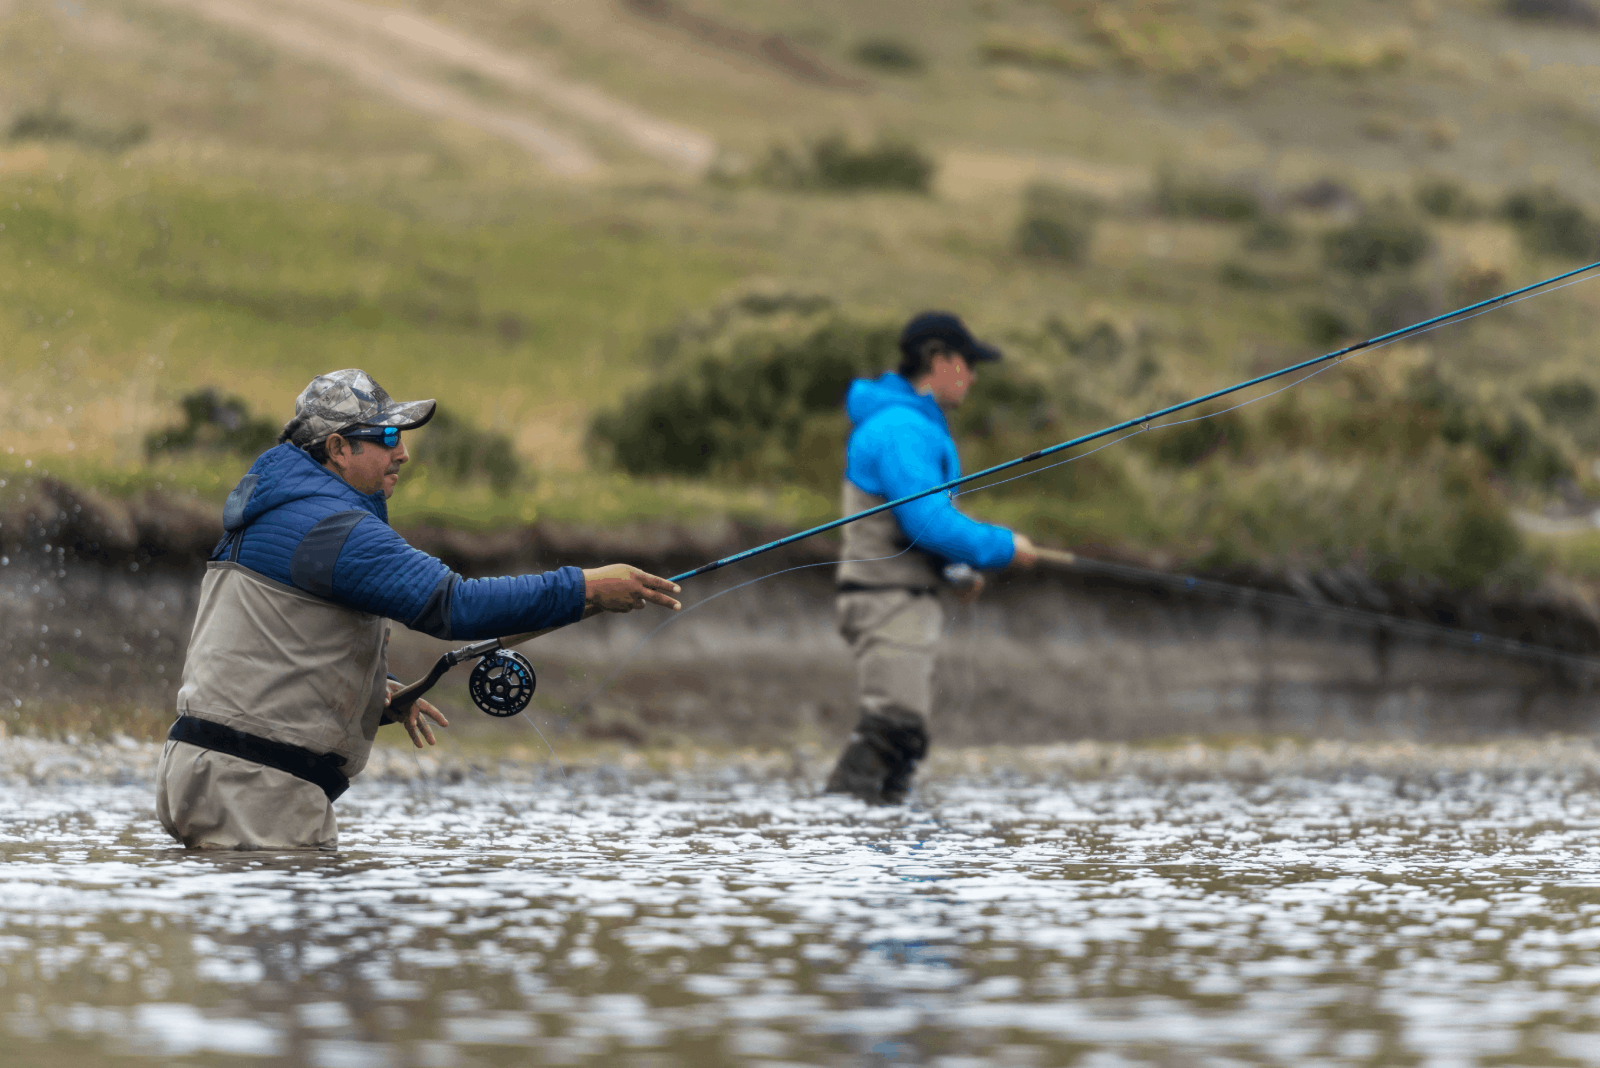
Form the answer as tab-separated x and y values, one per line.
1348	920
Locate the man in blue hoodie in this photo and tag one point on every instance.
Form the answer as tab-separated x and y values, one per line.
894	563
286	681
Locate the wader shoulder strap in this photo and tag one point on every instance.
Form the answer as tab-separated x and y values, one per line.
319	769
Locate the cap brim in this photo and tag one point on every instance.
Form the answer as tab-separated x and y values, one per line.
981	353
407	415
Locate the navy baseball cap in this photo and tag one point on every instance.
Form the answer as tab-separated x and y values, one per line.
949	329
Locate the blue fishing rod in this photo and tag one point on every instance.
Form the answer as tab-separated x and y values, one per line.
503	681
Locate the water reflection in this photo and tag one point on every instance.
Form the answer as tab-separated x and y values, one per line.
1292	921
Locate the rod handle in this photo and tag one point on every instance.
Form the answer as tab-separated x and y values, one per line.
1055	557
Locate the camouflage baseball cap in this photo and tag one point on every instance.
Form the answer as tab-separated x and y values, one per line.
343	399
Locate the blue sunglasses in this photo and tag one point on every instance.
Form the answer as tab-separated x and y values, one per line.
388	435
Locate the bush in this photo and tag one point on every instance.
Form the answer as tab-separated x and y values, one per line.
1195	439
1100	343
747	414
50	123
888	54
1271	235
1570	12
1430	518
1570	400
1445	198
1381	240
1057	224
213	422
456	448
1197	197
1510	441
833	163
1551	224
1323	325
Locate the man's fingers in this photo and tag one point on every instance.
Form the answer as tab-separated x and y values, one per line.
655	582
661	599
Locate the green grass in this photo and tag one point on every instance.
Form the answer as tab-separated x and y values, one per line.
133	286
282	222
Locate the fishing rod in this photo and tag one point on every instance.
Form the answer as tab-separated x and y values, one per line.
503	681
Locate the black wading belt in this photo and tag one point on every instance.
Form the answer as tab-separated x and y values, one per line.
856	587
318	769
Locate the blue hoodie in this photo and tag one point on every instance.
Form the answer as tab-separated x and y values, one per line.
901	444
296	522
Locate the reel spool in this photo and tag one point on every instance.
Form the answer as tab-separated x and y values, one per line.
502	683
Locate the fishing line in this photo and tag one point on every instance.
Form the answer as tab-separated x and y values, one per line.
1143	423
1328	361
628	659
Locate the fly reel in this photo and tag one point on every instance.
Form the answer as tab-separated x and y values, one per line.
502	683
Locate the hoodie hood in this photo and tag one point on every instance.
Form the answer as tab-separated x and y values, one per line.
871	396
285	474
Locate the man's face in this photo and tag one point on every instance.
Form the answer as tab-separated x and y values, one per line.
948	379
372	469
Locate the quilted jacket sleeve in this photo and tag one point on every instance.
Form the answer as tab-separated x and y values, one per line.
378	572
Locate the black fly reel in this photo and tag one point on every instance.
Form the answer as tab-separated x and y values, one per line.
502	683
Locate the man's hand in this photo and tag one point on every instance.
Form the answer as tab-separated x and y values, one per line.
415	724
1023	553
620	588
968	592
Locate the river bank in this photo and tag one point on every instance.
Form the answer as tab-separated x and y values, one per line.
99	594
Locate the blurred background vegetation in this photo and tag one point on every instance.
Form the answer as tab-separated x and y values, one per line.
1139	201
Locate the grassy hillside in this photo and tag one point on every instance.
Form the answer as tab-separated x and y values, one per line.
190	203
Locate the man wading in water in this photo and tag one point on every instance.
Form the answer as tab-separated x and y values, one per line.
895	562
286	678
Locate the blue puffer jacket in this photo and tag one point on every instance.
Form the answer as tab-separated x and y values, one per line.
300	524
902	444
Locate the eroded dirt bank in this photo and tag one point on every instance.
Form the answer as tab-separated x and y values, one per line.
97	595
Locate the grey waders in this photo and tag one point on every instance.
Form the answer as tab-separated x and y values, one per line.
894	634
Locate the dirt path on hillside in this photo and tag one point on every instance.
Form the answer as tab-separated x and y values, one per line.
389	52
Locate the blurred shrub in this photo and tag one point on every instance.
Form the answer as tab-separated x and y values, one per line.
1434	518
1057	223
1477	280
744	414
1271	234
213	422
1551	224
1200	197
453	447
1005	404
1445	198
1186	42
1236	275
1323	325
1570	12
1102	342
833	163
888	54
1194	439
1325	194
1512	443
1568	400
1380	240
1036	50
50	123
1398	301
